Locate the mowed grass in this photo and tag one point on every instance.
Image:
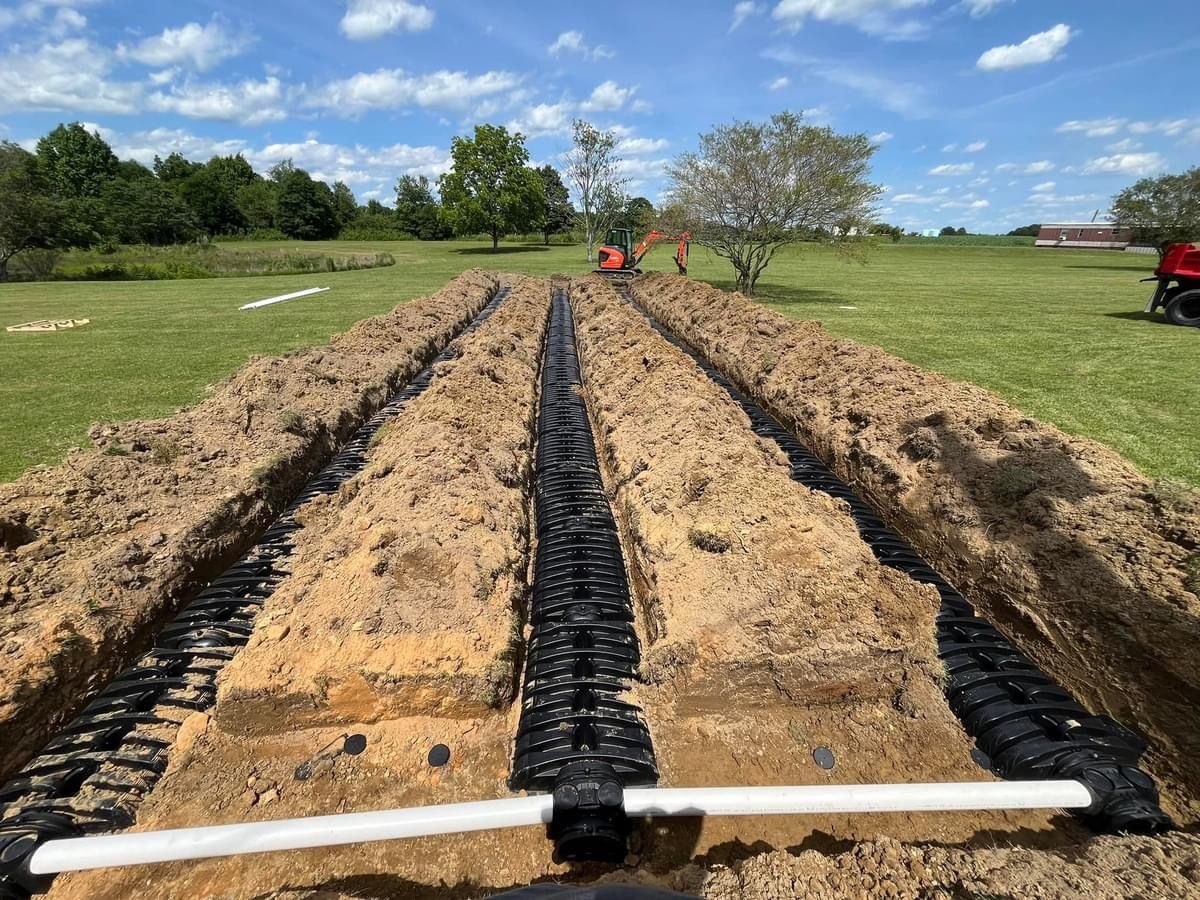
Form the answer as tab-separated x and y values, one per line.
1058	333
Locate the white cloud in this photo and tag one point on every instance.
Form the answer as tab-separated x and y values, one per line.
641	107
743	11
1045	187
950	148
249	102
197	46
71	75
639	146
1092	127
573	42
607	97
1034	50
882	137
1040	167
369	19
1169	127
875	17
891	93
544	119
779	83
1125	145
66	21
1125	164
976	147
394	89
980	204
951	170
913	198
980	8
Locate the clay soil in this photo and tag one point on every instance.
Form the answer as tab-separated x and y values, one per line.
1090	568
768	631
95	552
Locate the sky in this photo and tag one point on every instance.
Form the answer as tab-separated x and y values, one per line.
987	114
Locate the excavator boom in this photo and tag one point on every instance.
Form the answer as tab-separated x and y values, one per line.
618	259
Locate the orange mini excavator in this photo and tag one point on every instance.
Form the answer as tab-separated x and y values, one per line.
620	259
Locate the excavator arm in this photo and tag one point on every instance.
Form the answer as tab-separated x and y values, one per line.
681	254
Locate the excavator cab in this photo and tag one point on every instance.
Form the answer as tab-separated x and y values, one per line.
617	252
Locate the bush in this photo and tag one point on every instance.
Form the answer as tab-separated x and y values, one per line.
177	263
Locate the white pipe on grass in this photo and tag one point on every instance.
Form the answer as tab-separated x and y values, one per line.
282	297
136	848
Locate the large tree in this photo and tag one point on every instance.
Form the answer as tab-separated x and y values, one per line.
594	169
30	219
304	209
345	206
76	163
256	202
638	214
1162	211
753	187
175	167
491	188
417	212
146	211
557	212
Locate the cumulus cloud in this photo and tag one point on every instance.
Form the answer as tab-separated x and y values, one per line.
779	83
1045	187
70	75
875	17
950	170
640	146
544	119
249	102
743	11
1034	50
573	42
607	97
882	137
976	147
193	45
950	148
369	19
1040	167
1125	164
395	89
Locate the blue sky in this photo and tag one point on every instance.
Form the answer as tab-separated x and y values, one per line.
988	113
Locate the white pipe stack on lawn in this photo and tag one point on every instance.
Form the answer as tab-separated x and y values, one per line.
139	848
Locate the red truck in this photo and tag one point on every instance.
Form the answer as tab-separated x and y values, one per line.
1178	277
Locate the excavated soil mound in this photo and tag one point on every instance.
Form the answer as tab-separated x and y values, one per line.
1056	538
94	552
772	630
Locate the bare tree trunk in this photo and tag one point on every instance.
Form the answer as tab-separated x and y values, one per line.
4	268
495	242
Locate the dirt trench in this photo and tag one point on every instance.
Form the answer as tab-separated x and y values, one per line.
96	551
401	621
1064	545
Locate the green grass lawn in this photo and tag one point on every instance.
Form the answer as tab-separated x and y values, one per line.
1057	332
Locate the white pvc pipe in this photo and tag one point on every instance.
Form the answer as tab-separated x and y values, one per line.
283	297
135	848
856	798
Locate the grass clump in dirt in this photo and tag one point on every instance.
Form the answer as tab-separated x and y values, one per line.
115	450
1174	495
163	452
1013	483
291	421
1191	574
709	539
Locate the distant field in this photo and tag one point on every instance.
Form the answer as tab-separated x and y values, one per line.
1057	332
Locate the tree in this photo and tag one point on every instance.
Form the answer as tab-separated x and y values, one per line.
1026	231
895	232
962	232
256	202
638	214
30	219
557	212
175	168
491	188
76	162
949	231
345	206
1161	211
594	168
304	209
146	211
752	188
417	212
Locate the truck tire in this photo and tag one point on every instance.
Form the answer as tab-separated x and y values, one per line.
1184	309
